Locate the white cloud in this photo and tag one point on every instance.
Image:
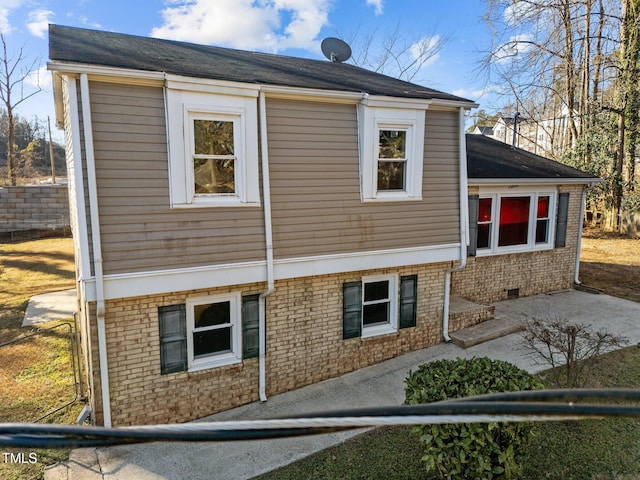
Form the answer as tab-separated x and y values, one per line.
377	4
516	45
426	47
477	93
39	78
469	93
6	6
270	25
38	23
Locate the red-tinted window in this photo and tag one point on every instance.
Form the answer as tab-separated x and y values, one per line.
543	207
514	221
542	220
484	210
484	223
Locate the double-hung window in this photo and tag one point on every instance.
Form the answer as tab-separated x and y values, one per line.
208	332
213	331
485	222
213	149
379	304
391	153
215	139
392	159
514	222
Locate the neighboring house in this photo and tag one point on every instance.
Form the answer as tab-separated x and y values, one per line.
480	130
246	223
503	129
548	137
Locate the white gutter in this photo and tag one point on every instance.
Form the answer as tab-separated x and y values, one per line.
268	237
464	222
583	201
97	247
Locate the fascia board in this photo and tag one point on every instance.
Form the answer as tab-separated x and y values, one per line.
532	181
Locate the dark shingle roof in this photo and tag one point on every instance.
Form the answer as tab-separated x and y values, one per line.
82	46
491	159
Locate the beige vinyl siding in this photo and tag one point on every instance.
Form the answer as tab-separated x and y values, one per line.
83	153
140	232
314	168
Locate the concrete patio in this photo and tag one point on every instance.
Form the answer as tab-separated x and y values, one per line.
378	385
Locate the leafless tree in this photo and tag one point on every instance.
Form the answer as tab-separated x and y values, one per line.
396	54
553	51
573	347
12	78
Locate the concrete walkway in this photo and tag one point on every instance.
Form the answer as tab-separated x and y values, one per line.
47	307
377	385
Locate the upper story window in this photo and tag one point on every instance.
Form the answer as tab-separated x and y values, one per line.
214	157
392	160
213	149
514	222
391	153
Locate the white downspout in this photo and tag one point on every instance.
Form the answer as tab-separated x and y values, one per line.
464	222
583	201
268	237
97	247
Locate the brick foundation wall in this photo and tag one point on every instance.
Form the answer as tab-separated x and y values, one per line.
34	208
304	346
487	279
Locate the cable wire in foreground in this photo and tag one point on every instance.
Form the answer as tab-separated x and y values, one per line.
542	405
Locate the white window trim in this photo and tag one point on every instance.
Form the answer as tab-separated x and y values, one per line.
213	361
185	106
531	245
373	119
392	325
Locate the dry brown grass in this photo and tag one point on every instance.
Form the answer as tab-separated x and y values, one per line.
611	262
35	373
29	268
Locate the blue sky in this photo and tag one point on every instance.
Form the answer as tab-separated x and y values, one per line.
291	27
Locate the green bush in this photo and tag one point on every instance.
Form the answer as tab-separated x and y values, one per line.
470	450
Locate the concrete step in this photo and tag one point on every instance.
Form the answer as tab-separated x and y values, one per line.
485	331
464	313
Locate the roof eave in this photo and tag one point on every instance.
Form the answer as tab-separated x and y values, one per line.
466	104
534	181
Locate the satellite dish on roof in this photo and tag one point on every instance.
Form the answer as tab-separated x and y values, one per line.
335	49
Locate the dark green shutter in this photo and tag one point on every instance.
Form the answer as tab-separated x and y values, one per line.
173	338
474	202
561	224
250	326
351	309
408	300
